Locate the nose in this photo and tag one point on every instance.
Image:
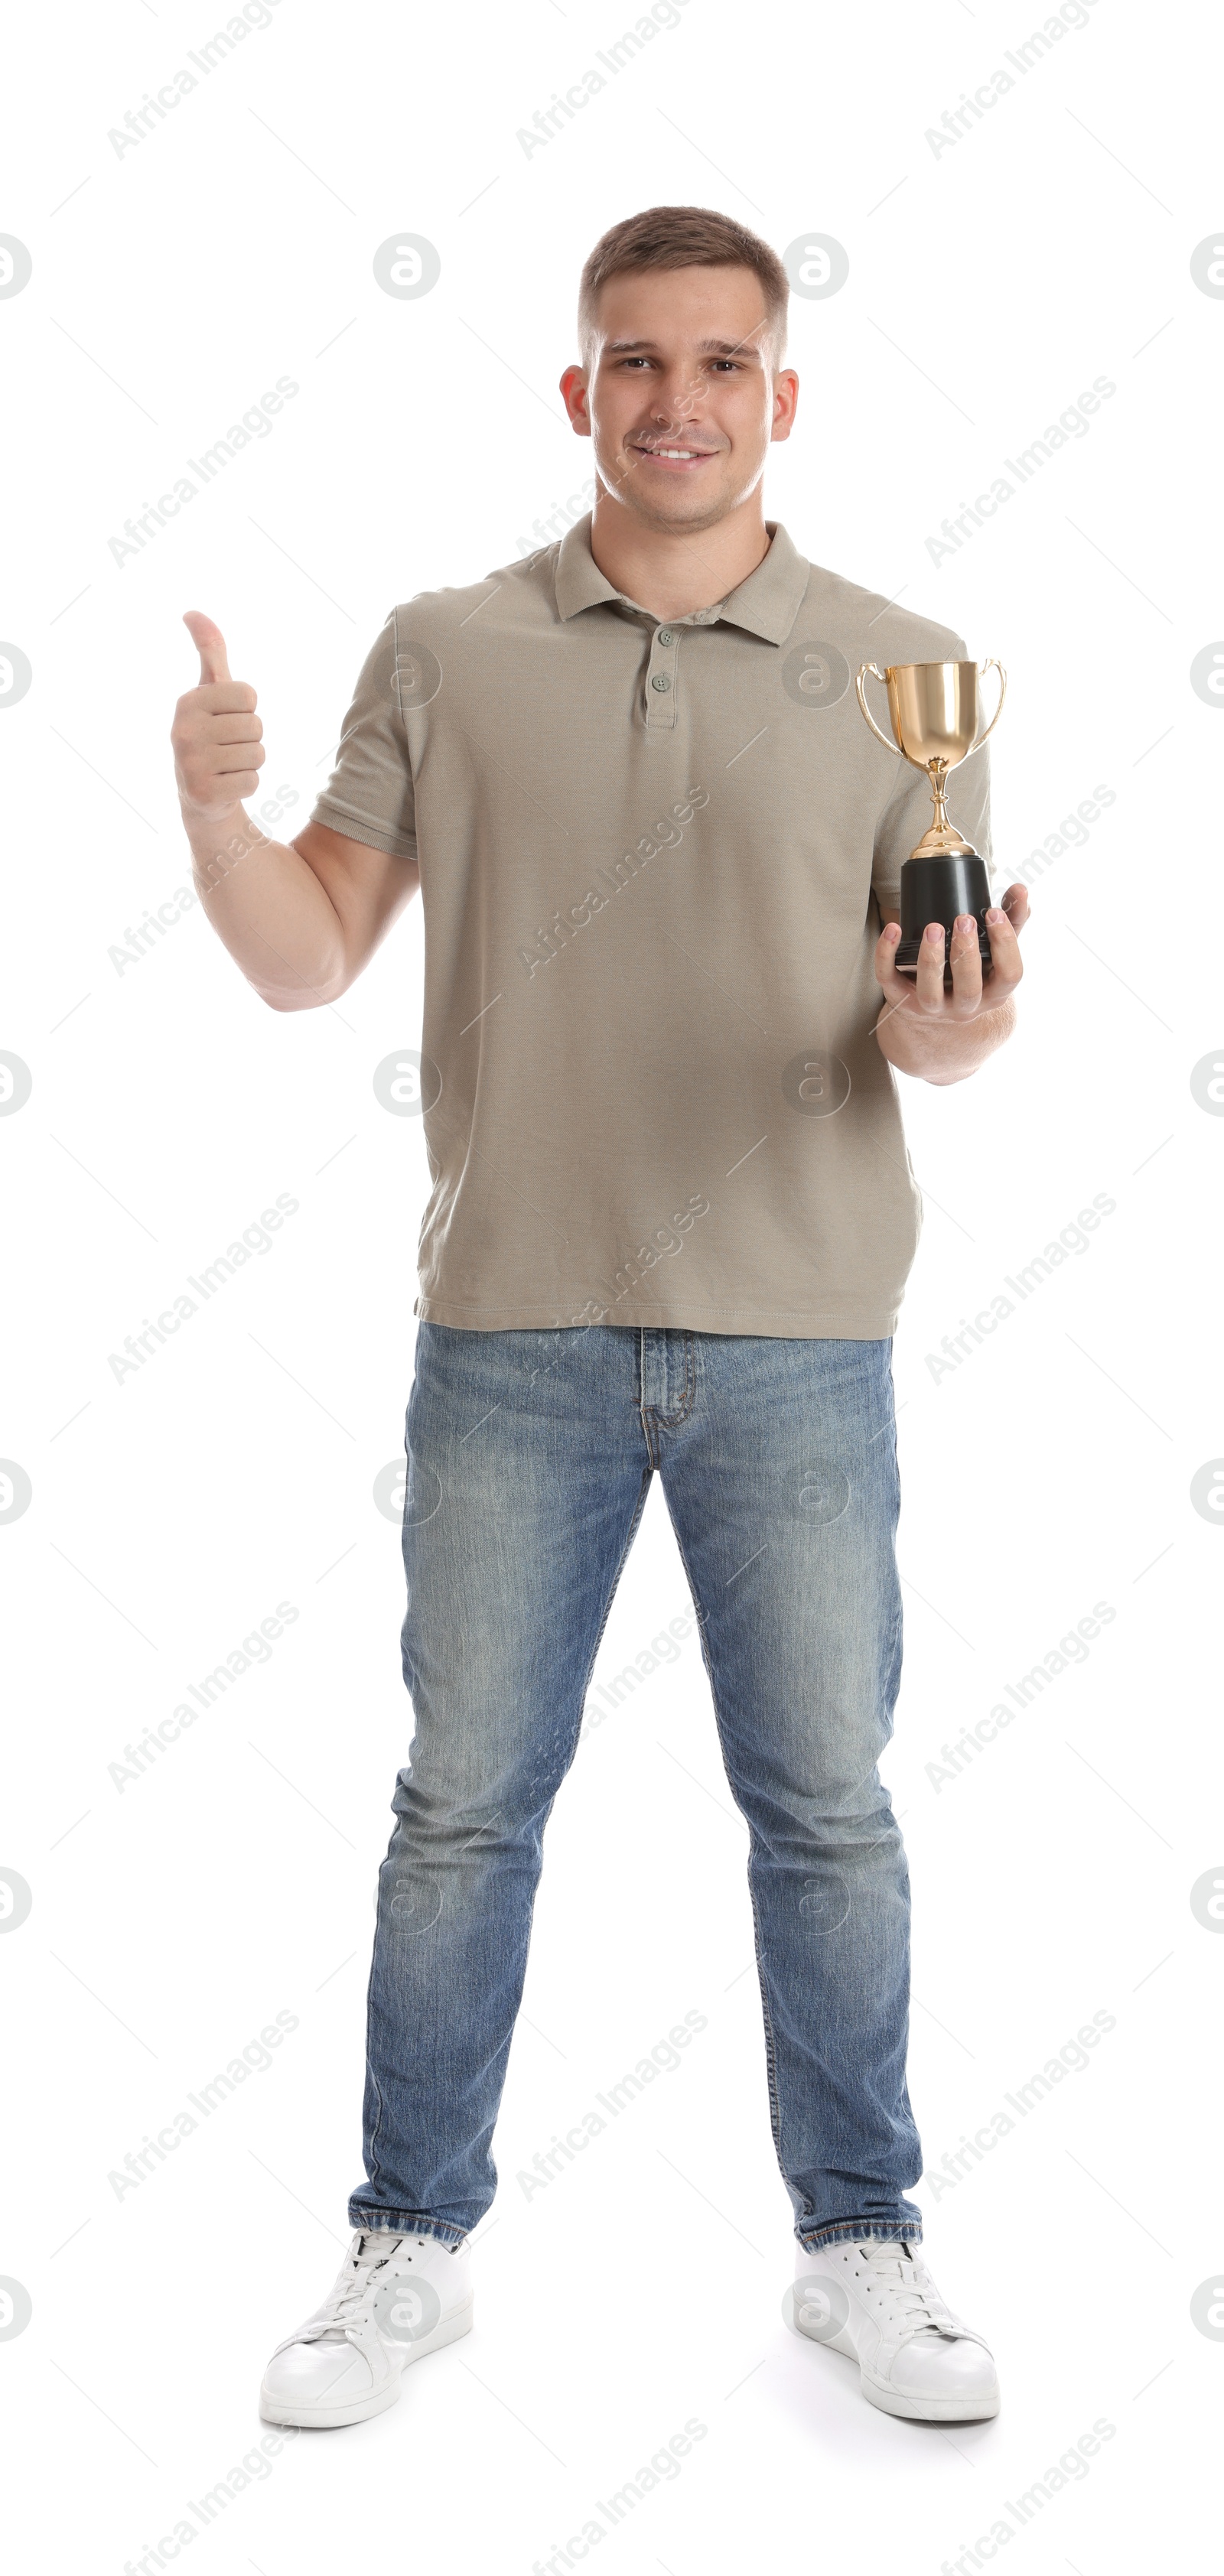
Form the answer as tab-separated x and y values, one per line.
677	399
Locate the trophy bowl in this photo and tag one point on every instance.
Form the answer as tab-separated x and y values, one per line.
934	714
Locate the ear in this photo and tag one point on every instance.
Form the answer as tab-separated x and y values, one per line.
574	397
785	402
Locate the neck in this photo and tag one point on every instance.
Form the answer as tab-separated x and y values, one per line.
672	571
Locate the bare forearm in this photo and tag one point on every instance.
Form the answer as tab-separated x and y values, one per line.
269	909
939	1051
301	921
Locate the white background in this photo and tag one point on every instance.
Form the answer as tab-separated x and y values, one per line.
174	1916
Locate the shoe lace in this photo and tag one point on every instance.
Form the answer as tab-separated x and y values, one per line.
914	2305
348	2300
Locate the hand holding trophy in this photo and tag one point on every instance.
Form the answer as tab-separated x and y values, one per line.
933	708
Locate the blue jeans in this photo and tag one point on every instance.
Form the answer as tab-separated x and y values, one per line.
530	1456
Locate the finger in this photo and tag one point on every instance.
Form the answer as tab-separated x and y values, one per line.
210	645
898	988
236	724
1016	905
1007	964
223	698
930	978
227	757
966	964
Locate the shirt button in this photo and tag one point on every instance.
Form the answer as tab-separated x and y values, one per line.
660	681
664	636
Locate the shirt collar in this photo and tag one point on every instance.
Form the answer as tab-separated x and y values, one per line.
767	604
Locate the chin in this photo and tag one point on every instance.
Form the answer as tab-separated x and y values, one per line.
684	510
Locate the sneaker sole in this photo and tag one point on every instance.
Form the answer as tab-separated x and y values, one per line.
931	2410
327	2419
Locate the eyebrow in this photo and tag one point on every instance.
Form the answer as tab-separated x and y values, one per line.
711	348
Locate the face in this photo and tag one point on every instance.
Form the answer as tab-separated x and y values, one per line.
680	397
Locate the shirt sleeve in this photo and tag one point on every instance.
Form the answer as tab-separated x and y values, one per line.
369	796
907	814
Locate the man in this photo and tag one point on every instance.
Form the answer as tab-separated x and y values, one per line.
671	1220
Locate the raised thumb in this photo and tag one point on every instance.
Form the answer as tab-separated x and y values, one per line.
210	645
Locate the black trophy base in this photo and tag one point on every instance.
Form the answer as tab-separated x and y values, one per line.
937	889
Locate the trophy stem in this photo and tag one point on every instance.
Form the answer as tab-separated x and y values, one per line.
941	840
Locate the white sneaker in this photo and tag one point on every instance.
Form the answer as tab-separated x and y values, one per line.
394	2299
879	2304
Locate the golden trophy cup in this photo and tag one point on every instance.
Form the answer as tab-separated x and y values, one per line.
933	709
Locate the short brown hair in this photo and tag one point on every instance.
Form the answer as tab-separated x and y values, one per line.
682	237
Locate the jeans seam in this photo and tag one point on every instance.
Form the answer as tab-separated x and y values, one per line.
854	2231
375	2087
771	2050
701	1616
653	1420
672	1421
630	1536
409	2222
771	2069
771	2053
645	1412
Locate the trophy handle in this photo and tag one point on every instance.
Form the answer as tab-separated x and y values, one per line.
859	677
983	667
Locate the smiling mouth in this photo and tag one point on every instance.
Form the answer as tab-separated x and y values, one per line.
677	457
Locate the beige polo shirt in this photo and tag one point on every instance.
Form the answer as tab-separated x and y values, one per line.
651	856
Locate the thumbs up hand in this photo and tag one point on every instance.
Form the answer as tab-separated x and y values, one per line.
216	734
